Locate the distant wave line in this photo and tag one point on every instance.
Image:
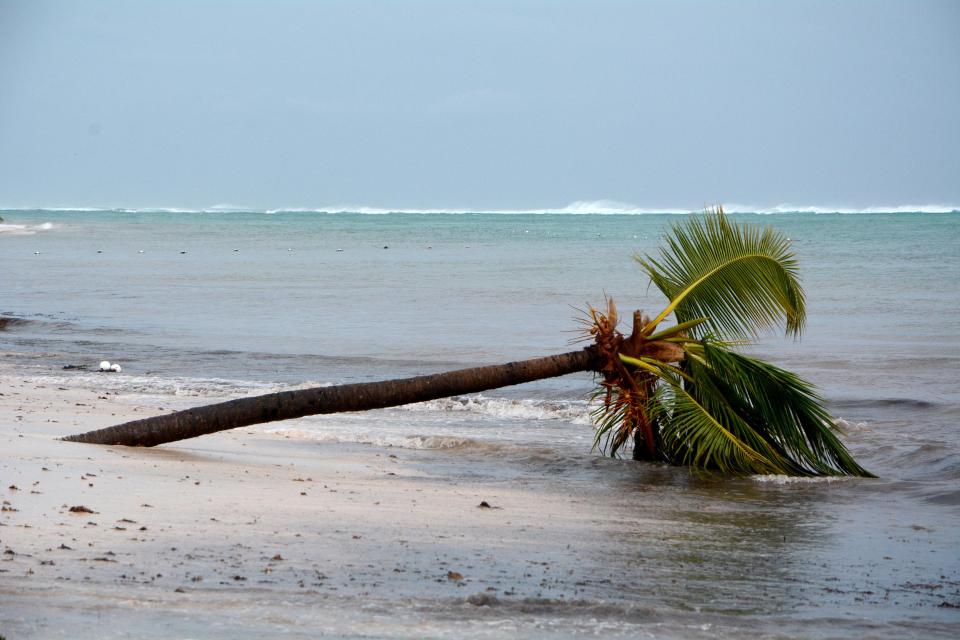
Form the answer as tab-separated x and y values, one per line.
594	207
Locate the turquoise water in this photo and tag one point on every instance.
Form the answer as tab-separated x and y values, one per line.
202	306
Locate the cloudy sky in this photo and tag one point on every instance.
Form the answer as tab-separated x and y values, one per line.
478	105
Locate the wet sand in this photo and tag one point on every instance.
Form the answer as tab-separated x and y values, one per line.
250	534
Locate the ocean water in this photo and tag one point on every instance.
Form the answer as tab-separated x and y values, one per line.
203	306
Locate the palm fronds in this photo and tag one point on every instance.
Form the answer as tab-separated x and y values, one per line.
717	409
703	438
777	405
743	278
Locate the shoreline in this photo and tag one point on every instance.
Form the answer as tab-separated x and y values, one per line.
247	533
190	526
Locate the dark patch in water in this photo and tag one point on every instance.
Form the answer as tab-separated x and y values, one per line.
10	322
572	608
948	498
867	403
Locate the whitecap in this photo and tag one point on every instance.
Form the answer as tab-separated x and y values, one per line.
828	209
847	427
24	229
579	207
783	480
574	411
399	440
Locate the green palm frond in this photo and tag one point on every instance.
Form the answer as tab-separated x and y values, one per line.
777	405
743	278
693	435
711	407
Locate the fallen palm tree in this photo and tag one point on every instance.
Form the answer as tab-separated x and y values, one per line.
682	394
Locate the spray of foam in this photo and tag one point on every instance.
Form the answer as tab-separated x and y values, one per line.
24	229
573	411
403	441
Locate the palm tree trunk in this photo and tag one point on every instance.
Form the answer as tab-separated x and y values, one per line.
285	405
645	439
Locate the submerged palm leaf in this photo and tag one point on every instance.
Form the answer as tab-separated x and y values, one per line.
717	409
776	405
696	436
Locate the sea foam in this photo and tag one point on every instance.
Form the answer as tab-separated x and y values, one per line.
387	439
576	412
24	229
788	480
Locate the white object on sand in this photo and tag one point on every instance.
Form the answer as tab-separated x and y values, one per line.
116	368
104	365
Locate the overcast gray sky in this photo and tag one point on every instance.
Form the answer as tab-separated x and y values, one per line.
497	105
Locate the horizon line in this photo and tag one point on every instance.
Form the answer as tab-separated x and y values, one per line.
594	207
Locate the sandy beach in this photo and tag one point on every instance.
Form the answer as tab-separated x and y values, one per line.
250	534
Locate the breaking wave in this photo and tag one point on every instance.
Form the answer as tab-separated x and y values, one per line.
399	440
847	427
785	480
8	322
214	388
574	411
789	208
580	207
587	207
24	229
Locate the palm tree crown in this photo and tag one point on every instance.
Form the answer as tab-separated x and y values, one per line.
684	394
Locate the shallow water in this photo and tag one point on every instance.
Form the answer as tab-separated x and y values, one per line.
258	302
